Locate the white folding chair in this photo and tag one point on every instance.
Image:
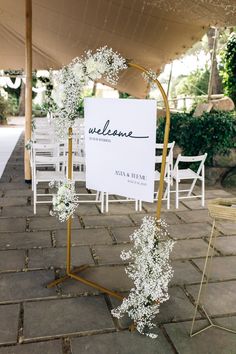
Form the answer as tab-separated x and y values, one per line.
168	168
47	166
180	174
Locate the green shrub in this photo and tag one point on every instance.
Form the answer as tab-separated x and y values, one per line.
12	105
3	109
214	133
38	111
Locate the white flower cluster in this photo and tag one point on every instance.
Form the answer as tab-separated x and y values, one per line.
150	271
65	201
150	77
71	79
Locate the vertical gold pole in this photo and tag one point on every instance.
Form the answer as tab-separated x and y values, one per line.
166	138
69	221
28	84
164	153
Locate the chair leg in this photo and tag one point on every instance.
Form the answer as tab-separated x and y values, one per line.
102	201
140	205
107	201
192	187
203	193
97	196
177	194
35	196
168	195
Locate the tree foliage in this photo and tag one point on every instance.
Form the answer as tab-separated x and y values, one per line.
195	84
228	71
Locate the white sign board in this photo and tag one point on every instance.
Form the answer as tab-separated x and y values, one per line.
120	146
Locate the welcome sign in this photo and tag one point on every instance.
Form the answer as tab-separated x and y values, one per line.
120	146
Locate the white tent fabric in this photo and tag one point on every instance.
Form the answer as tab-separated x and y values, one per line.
150	32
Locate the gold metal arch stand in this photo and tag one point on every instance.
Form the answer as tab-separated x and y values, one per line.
73	274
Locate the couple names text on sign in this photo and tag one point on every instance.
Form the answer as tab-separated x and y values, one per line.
120	139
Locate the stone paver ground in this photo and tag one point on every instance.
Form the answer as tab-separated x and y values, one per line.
75	319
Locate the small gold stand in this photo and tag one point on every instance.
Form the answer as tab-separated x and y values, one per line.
74	274
218	209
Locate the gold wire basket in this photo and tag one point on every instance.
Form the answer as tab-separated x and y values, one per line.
222	208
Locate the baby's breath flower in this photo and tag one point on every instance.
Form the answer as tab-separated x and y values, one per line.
150	271
71	79
65	201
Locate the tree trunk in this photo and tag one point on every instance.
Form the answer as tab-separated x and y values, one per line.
216	84
22	100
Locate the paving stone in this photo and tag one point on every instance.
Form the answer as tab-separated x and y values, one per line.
25	285
223	268
24	211
9	315
217	193
188	231
18	193
151	207
56	257
195	216
25	240
73	315
16	186
194	204
227	228
48	347
12	224
12	260
184	273
13	201
122	208
120	343
211	341
51	223
220	297
113	278
226	245
177	308
84	237
110	254
87	209
122	233
107	220
168	216
188	249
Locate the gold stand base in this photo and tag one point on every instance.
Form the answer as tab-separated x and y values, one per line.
211	324
206	273
74	275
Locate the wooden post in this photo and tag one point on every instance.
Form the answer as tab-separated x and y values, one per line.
213	63
28	84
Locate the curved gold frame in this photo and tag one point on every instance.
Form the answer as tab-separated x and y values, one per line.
74	275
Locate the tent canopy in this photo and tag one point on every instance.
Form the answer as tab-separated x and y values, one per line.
149	32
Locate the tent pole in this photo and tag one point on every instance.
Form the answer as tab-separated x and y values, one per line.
213	63
28	85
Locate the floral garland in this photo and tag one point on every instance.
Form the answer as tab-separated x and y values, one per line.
70	81
150	271
65	201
